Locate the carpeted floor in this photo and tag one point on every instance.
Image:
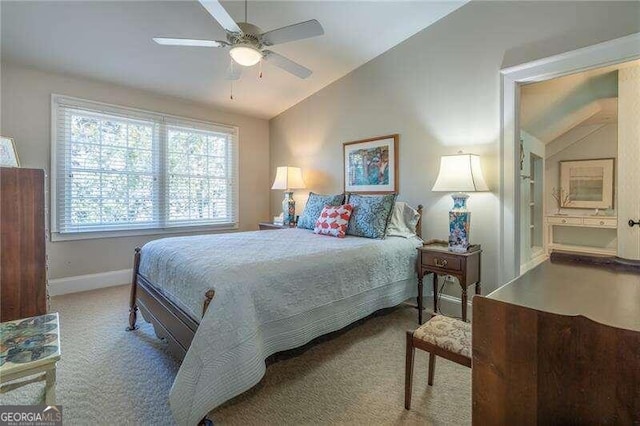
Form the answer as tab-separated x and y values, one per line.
109	376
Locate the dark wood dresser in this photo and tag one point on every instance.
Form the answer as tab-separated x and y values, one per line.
559	345
23	269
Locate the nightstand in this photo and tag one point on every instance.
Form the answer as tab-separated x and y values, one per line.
264	226
438	260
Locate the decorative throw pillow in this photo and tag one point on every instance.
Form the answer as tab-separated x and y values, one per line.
315	204
334	220
371	214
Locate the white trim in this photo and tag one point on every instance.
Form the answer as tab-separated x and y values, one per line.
94	235
87	103
603	54
80	283
456	300
532	263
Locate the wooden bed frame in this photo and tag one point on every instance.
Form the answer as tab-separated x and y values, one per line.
170	322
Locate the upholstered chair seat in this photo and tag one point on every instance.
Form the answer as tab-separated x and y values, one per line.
443	336
447	333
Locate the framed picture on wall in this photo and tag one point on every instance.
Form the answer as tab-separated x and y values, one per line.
588	183
8	153
371	165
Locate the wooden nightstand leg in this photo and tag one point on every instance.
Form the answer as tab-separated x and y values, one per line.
435	293
50	387
478	288
420	301
464	304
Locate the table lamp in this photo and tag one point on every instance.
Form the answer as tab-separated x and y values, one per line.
460	173
288	178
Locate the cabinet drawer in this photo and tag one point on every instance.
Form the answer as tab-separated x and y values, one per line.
565	220
442	261
601	221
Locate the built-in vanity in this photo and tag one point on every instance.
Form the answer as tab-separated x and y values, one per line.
606	246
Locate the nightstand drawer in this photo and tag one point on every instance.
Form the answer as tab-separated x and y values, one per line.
442	261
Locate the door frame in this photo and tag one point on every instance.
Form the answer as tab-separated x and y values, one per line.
611	52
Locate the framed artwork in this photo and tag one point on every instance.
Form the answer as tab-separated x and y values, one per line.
588	183
8	153
371	165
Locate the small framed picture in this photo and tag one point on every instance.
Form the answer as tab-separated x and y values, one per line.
589	183
371	165
8	153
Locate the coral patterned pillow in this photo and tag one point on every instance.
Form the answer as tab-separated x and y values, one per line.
334	220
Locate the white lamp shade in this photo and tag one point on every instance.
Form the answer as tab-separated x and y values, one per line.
288	178
460	173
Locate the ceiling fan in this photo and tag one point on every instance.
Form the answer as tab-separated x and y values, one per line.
248	43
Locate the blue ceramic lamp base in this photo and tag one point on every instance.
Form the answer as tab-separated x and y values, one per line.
459	223
288	209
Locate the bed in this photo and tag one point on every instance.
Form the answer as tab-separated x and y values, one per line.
226	302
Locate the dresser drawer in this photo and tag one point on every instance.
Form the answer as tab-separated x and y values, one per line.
601	221
565	220
442	261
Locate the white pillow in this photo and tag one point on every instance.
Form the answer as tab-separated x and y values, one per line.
404	219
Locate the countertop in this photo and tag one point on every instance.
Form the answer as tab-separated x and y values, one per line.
607	297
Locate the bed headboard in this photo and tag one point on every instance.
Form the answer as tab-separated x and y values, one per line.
419	224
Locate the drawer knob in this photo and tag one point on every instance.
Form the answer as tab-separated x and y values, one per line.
564	220
602	222
440	263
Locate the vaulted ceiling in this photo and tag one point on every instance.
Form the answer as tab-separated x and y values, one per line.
112	41
550	109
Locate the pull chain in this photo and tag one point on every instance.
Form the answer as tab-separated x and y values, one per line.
260	75
245	11
231	97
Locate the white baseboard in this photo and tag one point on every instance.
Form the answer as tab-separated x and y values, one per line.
454	299
87	282
541	257
452	305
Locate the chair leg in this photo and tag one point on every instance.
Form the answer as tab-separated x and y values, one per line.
408	372
432	368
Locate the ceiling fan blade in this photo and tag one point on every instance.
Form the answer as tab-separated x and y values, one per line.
219	13
293	32
189	42
234	71
286	64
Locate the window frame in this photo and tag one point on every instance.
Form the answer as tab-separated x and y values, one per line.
164	120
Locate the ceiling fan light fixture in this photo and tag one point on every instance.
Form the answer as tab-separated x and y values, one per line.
245	55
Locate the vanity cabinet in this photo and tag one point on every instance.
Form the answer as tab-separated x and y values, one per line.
554	221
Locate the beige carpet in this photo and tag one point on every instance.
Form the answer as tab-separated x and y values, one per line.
109	376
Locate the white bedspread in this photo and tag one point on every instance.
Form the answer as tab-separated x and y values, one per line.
275	290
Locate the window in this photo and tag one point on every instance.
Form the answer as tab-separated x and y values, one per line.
119	169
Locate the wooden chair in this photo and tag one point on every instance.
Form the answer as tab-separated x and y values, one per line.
443	336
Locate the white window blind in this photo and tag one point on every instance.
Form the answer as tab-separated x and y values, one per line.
119	169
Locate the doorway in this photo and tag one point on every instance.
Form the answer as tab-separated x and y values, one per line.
604	54
569	151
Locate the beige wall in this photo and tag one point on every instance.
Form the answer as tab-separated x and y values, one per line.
26	116
440	90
